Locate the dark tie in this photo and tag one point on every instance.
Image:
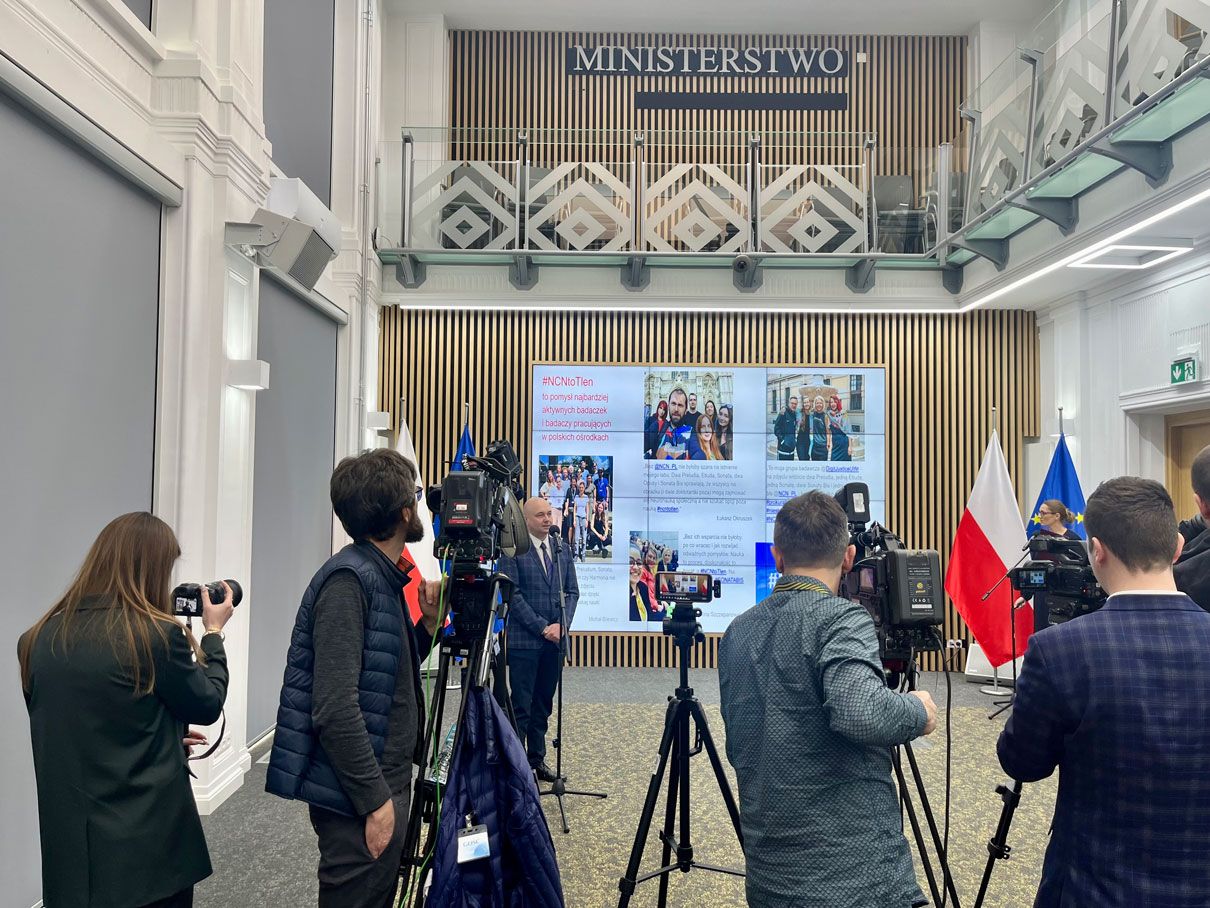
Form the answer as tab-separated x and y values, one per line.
545	558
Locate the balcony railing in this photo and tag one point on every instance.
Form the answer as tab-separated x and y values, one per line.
1091	91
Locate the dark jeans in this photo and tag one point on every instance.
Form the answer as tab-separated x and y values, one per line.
183	899
532	677
348	876
595	542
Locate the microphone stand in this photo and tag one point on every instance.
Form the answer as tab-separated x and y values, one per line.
558	787
995	690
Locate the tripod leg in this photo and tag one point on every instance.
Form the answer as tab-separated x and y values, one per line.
942	858
917	834
674	781
627	883
724	786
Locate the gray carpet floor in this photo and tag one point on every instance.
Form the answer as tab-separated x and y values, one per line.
264	853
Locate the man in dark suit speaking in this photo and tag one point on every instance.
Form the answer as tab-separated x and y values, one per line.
1116	699
535	631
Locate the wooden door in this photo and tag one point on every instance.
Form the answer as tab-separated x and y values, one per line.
1188	434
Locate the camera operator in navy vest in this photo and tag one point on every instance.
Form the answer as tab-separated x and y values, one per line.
810	725
535	633
350	724
1192	569
1116	700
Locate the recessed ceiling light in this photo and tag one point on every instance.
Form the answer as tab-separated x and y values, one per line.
1134	257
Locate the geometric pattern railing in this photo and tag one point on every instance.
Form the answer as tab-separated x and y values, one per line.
466	205
580	206
1161	39
696	208
813	208
1071	96
999	164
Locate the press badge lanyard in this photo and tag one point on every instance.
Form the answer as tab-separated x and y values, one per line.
802	585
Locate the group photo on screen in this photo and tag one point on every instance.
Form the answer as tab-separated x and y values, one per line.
689	415
815	417
579	488
650	553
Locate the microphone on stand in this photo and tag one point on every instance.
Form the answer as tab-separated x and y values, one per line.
996	586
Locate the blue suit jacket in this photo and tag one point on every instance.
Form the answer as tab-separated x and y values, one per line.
1119	701
535	599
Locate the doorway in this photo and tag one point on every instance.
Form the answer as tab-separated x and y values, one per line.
1188	434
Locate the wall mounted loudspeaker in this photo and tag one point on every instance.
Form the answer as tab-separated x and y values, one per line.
295	234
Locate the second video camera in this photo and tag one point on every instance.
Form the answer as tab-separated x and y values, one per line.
900	587
1060	569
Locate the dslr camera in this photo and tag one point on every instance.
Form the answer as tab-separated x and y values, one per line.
900	587
480	521
187	598
1060	569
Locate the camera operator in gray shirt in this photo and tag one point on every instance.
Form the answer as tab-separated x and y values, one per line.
810	724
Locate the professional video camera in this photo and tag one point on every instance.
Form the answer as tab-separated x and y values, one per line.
1059	568
900	588
480	520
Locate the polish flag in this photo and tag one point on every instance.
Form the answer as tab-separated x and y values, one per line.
990	540
420	554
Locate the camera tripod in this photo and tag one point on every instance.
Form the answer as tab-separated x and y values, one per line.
475	644
674	748
558	787
909	684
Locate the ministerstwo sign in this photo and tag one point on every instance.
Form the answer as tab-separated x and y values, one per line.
789	62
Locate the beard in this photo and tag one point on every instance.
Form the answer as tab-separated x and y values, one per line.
414	531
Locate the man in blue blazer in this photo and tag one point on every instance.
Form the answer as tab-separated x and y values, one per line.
1119	701
535	630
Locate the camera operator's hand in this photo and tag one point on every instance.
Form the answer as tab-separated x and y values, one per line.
431	592
552	633
929	707
380	826
215	615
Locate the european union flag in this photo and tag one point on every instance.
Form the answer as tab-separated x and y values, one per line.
1062	483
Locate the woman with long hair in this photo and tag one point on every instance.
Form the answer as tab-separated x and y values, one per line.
838	426
702	444
711	412
640	593
600	537
813	433
111	681
725	432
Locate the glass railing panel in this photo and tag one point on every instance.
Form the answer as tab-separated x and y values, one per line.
814	208
998	165
1159	41
696	207
1071	94
580	206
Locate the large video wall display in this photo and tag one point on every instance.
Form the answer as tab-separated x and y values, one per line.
683	468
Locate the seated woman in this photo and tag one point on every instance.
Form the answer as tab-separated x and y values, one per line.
702	444
600	537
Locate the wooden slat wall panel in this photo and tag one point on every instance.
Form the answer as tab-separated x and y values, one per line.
944	376
907	94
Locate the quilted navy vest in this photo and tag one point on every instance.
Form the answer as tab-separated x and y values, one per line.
298	766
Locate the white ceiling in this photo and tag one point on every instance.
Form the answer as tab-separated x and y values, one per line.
883	17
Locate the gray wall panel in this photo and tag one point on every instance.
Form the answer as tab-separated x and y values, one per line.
292	513
79	289
299	37
141	9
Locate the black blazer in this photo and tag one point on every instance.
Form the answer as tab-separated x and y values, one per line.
119	826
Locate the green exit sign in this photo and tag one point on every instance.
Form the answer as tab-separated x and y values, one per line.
1183	370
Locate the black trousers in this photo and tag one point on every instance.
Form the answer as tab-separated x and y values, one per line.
182	899
348	876
532	676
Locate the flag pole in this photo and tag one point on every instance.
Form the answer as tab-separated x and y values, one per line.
399	419
994	690
1060	422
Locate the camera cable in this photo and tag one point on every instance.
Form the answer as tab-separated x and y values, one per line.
416	874
946	667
